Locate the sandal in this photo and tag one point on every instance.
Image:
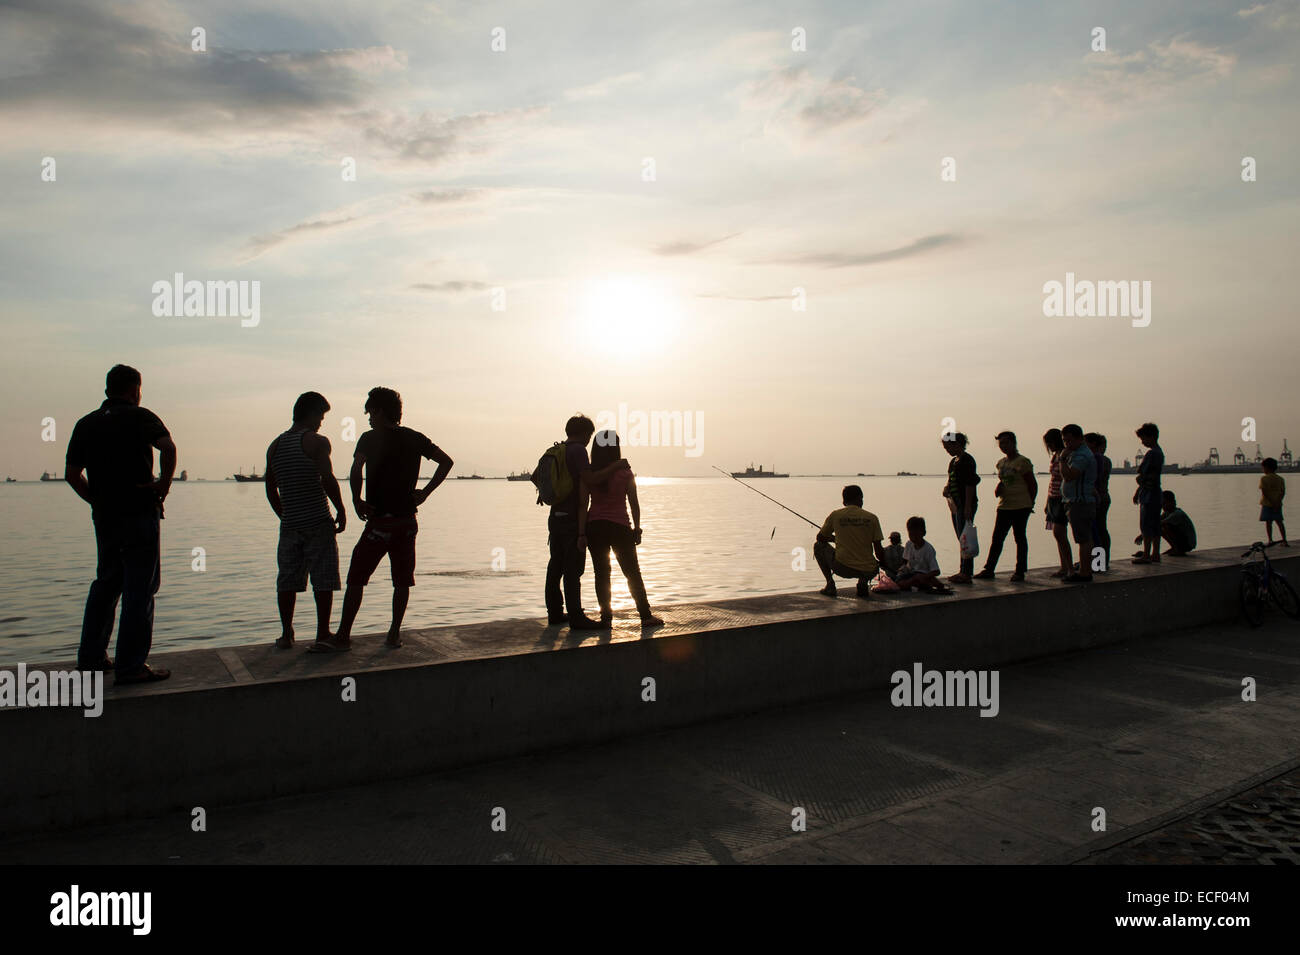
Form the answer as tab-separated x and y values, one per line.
332	645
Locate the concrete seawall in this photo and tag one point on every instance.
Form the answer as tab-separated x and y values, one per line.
250	722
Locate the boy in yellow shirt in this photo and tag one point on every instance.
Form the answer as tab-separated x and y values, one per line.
1271	491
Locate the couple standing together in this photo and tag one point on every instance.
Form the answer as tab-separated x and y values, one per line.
593	516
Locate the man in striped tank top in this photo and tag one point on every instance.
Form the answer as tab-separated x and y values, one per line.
299	477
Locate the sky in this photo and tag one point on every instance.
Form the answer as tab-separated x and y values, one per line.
737	212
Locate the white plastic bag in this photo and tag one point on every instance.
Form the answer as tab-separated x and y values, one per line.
970	541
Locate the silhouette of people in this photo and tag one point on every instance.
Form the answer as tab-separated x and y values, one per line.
604	525
1176	527
1100	531
114	447
1148	495
1016	491
568	559
1057	522
848	544
893	560
387	464
960	494
299	477
1079	492
922	569
1272	489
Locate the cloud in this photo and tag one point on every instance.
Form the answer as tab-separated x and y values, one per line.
429	137
685	247
112	63
1113	80
260	243
792	94
442	196
744	298
837	260
453	285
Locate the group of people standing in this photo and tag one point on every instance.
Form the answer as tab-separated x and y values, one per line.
110	465
1077	504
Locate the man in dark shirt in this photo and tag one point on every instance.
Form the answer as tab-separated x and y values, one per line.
568	560
114	447
387	462
960	493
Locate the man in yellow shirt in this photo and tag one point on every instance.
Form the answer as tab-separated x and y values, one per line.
1271	491
849	544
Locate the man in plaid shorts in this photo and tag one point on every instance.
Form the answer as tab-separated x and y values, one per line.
387	463
299	476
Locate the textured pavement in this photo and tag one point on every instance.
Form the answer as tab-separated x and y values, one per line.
1150	730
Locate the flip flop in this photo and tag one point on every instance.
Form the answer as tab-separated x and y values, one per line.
327	646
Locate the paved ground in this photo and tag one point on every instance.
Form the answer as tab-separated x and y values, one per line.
1149	731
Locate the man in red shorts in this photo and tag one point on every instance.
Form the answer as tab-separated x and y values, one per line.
388	458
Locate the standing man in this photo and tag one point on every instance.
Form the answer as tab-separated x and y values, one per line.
114	447
299	476
567	558
1079	491
849	544
960	493
1016	491
387	464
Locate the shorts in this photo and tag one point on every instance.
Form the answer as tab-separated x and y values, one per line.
1055	510
394	536
1149	518
1267	513
1081	516
311	550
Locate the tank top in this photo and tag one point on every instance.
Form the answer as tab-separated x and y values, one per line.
302	499
1054	481
609	503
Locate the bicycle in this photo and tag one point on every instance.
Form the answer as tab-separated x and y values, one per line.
1260	583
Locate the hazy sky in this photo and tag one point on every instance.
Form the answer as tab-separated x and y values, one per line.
774	169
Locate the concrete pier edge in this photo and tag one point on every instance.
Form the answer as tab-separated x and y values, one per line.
259	725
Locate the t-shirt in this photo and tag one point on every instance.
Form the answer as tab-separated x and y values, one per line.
1054	475
575	457
392	467
1182	533
115	447
1149	475
609	503
961	475
1083	488
921	560
855	530
1013	472
1271	490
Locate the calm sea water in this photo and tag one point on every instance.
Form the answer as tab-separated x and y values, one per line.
704	538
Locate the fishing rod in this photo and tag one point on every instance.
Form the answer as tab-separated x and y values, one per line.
761	494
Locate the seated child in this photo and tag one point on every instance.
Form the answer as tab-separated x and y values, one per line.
894	559
1176	527
922	569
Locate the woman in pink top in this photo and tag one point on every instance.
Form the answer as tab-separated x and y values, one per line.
604	526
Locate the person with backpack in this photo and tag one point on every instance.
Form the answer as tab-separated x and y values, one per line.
558	478
604	526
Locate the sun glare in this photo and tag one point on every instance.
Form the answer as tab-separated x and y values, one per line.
629	314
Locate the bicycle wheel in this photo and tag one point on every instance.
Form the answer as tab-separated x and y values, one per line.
1252	604
1284	596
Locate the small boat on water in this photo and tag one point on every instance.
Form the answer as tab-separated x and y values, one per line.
905	474
470	477
10	480
183	476
521	476
752	472
244	478
47	476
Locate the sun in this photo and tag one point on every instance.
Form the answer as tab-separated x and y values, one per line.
628	315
